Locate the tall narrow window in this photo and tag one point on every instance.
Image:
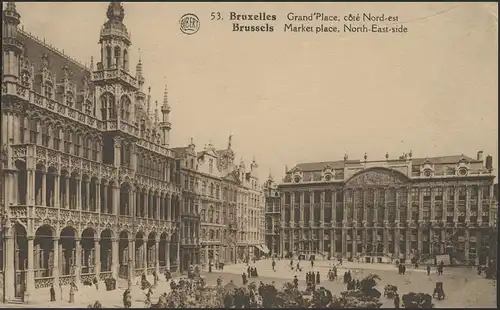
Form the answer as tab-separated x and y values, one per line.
125	108
67	141
117	57
76	143
95	150
125	60
86	147
33	130
22	129
45	135
56	140
109	62
48	90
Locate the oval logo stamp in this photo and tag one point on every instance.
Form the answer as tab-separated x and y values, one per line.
190	23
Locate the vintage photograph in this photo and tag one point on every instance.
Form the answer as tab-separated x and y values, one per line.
249	155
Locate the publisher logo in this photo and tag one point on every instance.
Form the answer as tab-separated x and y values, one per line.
190	23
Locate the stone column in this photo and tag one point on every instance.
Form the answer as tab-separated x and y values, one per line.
146	204
354	241
397	240
344	242
478	244
322	222
78	259
145	252
467	209
44	188
301	207
57	190
87	194
467	245
419	239
409	206
78	193
455	205
9	268
55	270
98	196
30	275
408	242
131	260
292	222
115	257
30	186
105	200
97	260
115	199
333	242
157	257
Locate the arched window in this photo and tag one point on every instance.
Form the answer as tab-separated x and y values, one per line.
48	90
108	106
86	147
88	107
25	78
45	135
33	130
56	139
70	100
76	143
95	149
109	62
125	108
67	141
117	57
125	60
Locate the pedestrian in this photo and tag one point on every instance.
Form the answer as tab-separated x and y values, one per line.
318	280
312	263
396	301
72	294
295	282
52	293
274	265
96	283
428	270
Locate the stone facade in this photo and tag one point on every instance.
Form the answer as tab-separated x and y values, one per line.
88	183
389	209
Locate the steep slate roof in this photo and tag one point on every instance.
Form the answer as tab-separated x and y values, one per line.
34	50
339	164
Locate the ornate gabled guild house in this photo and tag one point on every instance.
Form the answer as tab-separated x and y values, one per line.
88	179
403	208
273	234
212	184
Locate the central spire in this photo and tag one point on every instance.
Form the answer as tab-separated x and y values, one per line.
115	11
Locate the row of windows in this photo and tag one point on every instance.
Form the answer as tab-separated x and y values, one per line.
358	195
72	142
151	168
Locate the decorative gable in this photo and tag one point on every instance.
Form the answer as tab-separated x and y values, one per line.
462	167
427	169
328	174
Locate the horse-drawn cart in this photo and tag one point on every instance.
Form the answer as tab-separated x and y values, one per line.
439	291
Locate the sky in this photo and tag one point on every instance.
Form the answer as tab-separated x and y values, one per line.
289	98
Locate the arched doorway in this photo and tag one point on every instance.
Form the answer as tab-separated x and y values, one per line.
151	248
123	255
88	251
162	254
106	251
44	252
20	259
174	240
67	260
139	252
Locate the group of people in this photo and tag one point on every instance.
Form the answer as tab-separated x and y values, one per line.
332	274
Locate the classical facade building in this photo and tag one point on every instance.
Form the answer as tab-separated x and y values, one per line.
88	187
250	215
399	208
272	216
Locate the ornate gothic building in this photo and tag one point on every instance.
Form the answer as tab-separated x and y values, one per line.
224	196
394	208
88	184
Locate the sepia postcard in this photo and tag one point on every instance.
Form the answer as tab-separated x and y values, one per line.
249	155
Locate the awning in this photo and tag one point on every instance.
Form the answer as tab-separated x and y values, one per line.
259	247
264	248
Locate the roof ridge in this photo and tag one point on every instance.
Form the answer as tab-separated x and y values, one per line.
52	48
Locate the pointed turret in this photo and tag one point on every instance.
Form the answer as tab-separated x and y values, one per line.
114	33
165	125
11	45
139	75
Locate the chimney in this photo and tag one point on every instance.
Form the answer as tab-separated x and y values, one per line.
480	155
489	162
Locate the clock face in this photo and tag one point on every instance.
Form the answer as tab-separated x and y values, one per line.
462	171
427	172
297	179
328	177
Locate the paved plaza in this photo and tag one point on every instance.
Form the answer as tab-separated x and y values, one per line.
463	287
